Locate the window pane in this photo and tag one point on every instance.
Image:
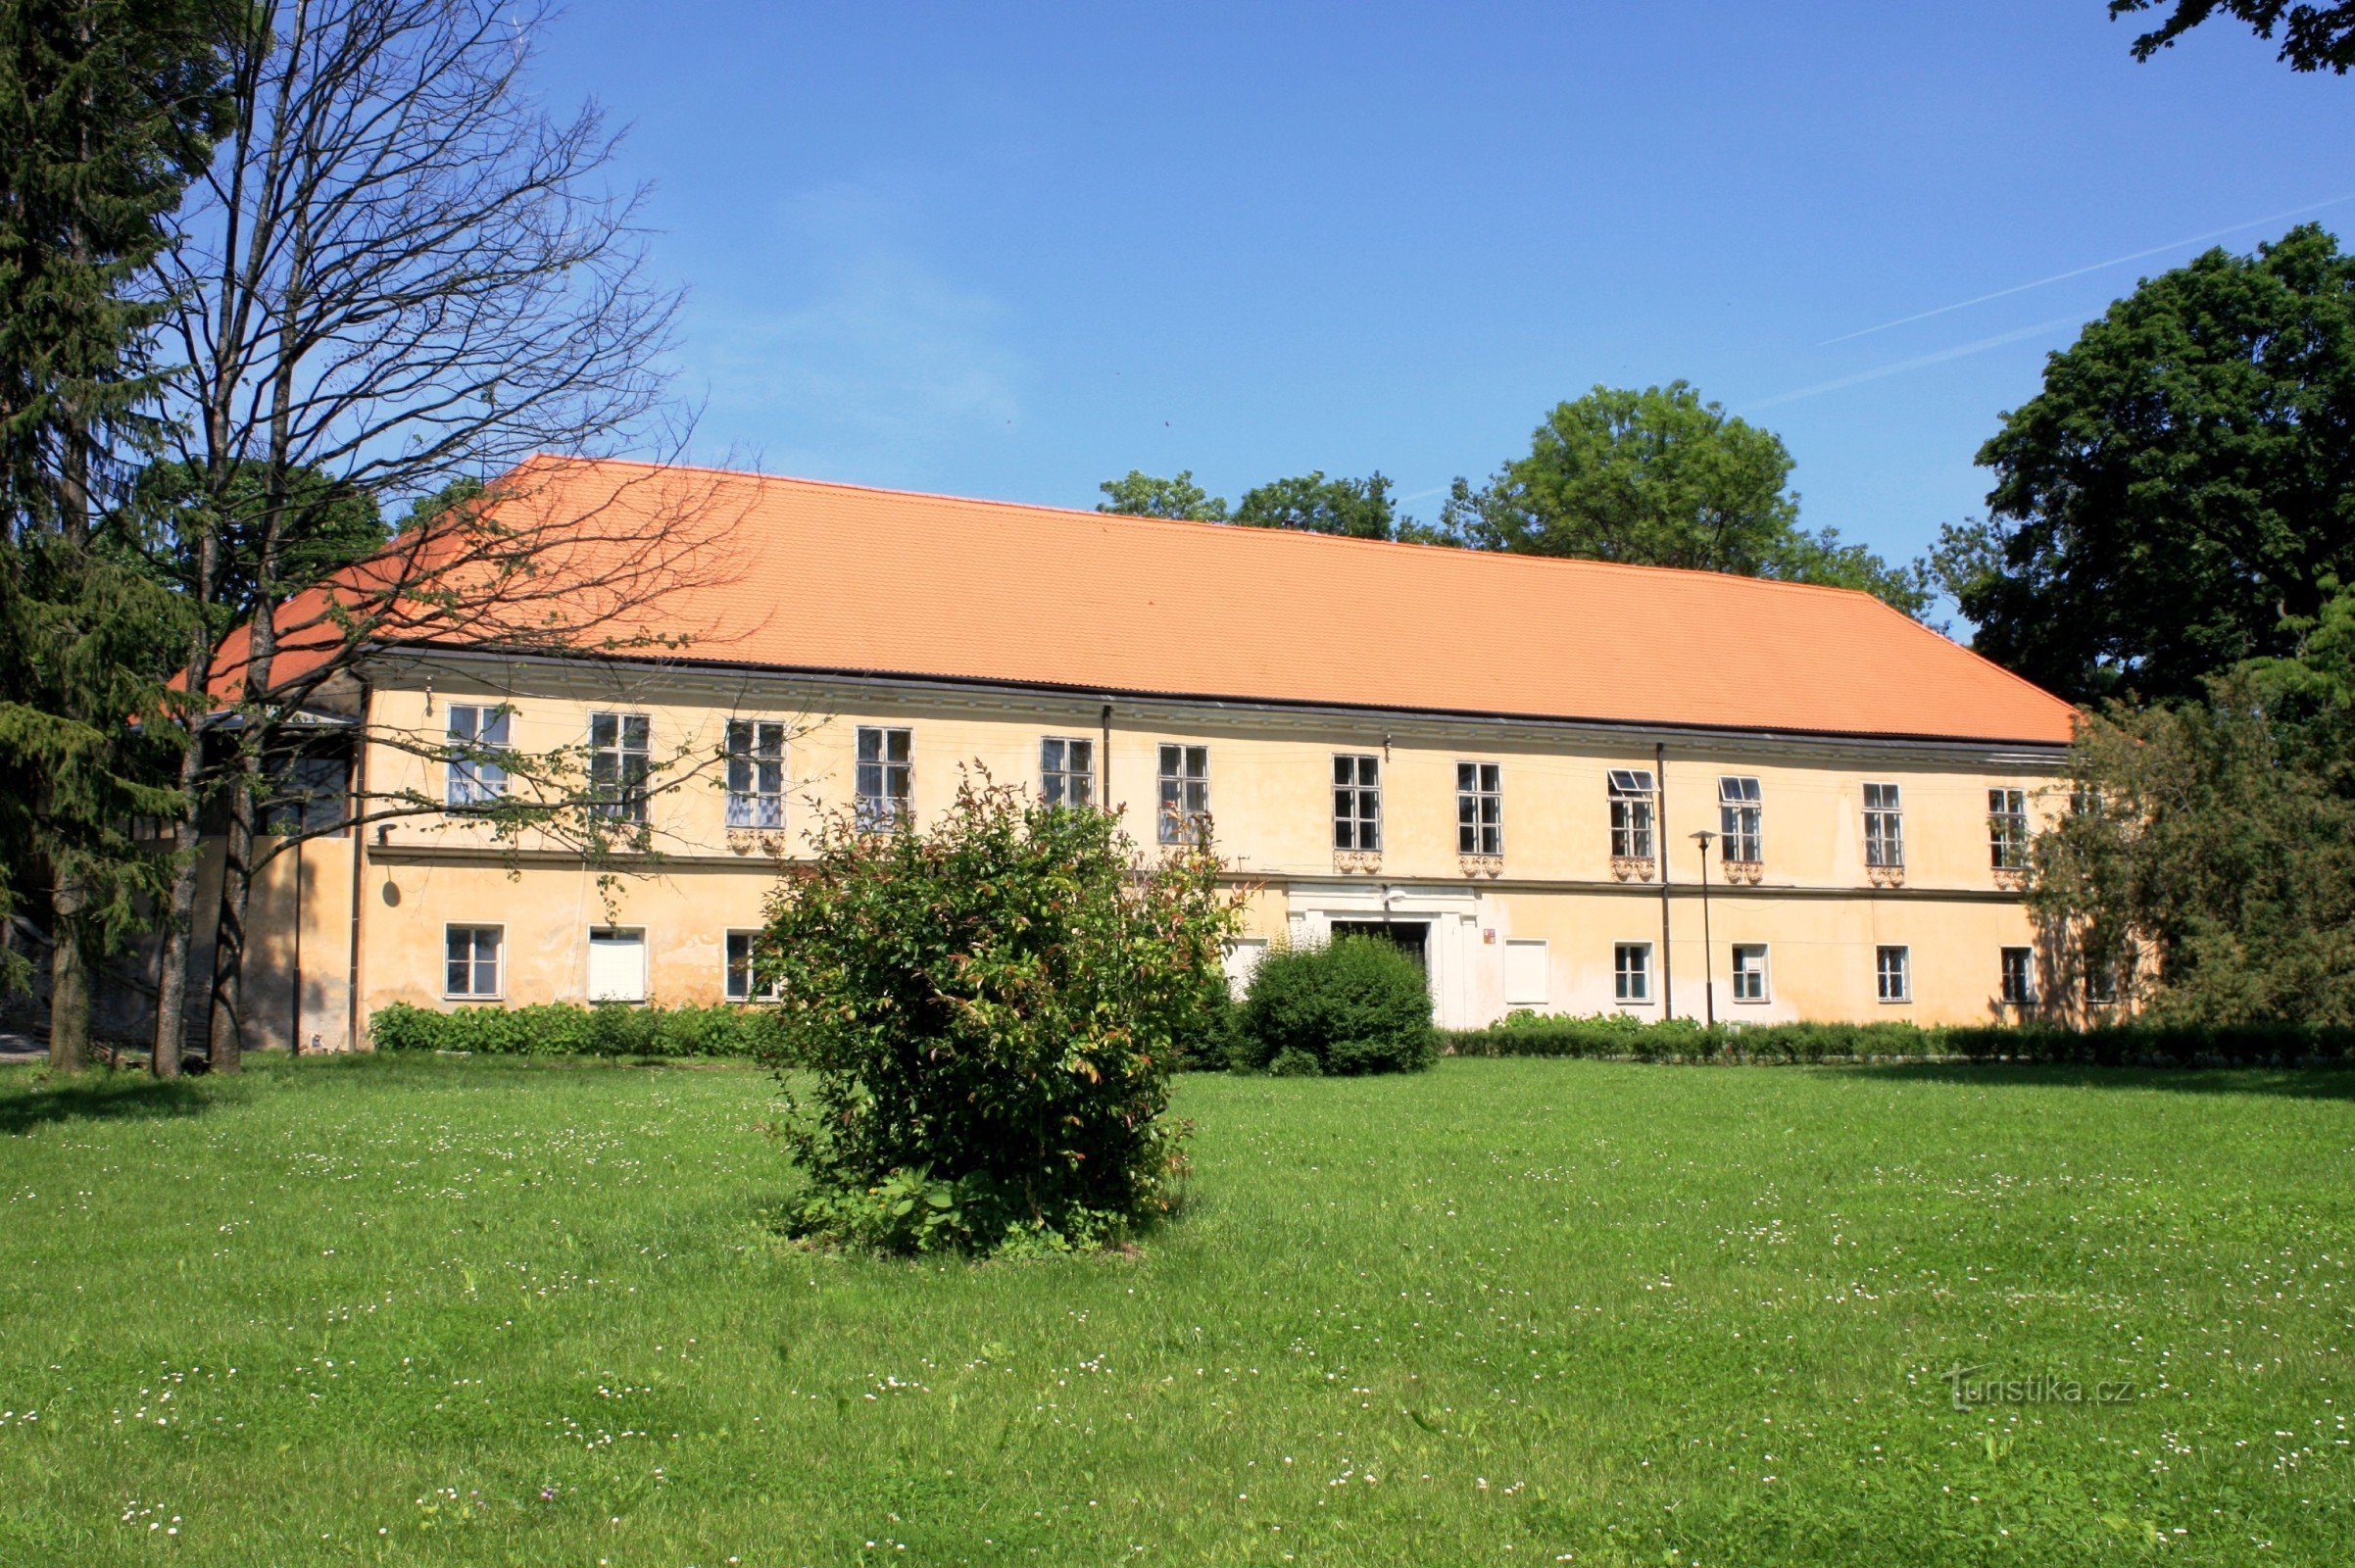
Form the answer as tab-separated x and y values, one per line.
601	729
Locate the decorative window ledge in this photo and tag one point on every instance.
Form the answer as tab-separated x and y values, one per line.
1488	865
1884	876
1631	867
1749	873
2011	878
745	839
1357	863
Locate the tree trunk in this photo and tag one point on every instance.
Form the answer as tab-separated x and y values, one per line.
172	965
228	1046
69	977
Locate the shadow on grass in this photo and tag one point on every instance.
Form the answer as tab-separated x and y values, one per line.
2298	1083
40	1101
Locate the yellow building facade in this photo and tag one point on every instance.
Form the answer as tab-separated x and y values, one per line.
1533	860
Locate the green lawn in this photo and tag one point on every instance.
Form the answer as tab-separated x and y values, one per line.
481	1312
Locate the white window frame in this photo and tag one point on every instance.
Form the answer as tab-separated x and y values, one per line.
476	731
2008	829
1358	802
473	931
1763	974
1883	827
1182	791
617	767
2025	995
1543	996
1478	808
878	805
1067	771
1639	972
645	946
755	759
1635	813
1741	819
729	970
1883	971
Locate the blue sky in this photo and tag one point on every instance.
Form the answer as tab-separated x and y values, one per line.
1013	250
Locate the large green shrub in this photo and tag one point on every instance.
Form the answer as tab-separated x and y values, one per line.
569	1029
1354	1005
992	1008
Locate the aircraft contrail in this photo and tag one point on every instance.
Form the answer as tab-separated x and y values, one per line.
1959	351
2080	272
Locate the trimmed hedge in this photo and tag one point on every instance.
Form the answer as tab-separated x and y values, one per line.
1615	1037
570	1029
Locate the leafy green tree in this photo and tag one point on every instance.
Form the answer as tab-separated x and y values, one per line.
2174	500
2313	38
1662	479
1138	494
1310	503
992	1005
107	108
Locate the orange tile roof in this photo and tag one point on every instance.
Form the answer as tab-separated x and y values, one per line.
833	577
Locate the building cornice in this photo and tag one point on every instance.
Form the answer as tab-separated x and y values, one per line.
777	687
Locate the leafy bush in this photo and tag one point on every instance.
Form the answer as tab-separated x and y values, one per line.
992	1008
569	1029
1354	1005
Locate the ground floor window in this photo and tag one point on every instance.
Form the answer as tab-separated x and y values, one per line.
742	984
1528	973
616	964
1631	971
473	954
2019	976
1749	971
1892	970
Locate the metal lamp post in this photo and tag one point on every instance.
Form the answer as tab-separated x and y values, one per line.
1702	837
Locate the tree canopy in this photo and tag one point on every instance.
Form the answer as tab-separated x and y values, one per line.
2313	38
2182	484
1138	494
1662	479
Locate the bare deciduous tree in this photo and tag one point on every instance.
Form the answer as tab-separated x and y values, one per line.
399	279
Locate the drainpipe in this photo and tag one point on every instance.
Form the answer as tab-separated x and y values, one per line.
1659	829
352	813
294	1038
1104	761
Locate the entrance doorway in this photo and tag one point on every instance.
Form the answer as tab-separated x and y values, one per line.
1410	937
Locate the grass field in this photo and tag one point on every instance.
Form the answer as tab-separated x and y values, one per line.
478	1312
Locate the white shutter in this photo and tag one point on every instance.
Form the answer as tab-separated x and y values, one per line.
617	965
1528	973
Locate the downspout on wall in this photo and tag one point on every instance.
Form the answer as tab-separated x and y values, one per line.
359	751
1660	827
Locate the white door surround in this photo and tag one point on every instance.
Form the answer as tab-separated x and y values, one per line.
1450	912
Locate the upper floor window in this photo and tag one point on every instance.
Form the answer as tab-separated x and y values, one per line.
1884	826
1479	808
309	789
617	765
1631	791
886	777
1358	802
2019	976
477	738
1066	771
1892	973
1739	817
756	773
1185	794
2008	829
